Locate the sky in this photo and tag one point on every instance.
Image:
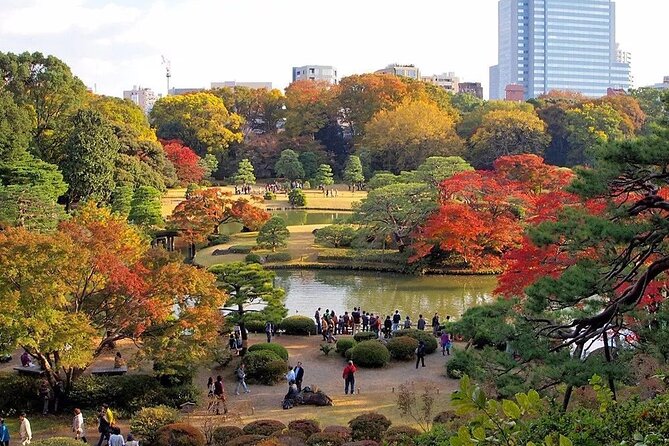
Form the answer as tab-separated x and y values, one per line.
113	45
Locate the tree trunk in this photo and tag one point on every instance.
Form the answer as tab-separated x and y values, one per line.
570	388
242	328
607	355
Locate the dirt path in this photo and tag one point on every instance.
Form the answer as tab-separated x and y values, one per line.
377	387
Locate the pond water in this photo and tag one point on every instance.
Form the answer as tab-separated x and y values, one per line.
306	290
294	217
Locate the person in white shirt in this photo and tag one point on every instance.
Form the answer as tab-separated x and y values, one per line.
78	426
116	439
25	432
130	441
290	376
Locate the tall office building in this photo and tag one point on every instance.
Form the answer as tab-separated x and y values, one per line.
549	45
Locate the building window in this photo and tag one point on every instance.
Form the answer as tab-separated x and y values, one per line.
311	70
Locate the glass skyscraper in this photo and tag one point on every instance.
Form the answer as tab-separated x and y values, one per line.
549	45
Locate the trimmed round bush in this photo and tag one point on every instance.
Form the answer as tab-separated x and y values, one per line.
253	258
280	350
291	433
263	427
364	336
298	325
361	443
462	363
218	239
223	434
241	249
269	196
264	367
147	421
402	348
283	440
325	439
179	434
369	426
344	344
279	257
348	354
420	335
297	198
55	441
343	431
400	436
307	427
246	440
370	354
255	326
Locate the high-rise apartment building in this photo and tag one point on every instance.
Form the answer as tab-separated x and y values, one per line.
549	45
315	73
401	70
447	81
143	97
472	88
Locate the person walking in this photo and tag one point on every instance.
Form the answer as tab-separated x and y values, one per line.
4	433
104	426
421	323
317	317
240	374
445	341
349	377
435	324
420	353
299	376
219	393
78	426
324	328
268	331
25	432
116	439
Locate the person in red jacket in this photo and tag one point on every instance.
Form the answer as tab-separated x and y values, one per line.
349	377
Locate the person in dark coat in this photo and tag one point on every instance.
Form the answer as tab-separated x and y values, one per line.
420	353
299	376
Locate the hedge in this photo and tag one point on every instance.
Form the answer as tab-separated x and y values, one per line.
253	258
54	441
280	350
263	427
246	440
223	434
278	257
369	426
218	239
325	439
298	325
241	249
420	335
19	394
402	348
400	436
370	354
342	431
364	336
344	344
308	427
181	434
264	367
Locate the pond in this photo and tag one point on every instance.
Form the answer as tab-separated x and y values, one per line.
294	217
306	290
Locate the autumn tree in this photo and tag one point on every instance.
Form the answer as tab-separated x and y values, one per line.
353	174
401	139
185	161
89	158
308	107
289	166
69	294
396	210
324	175
591	125
245	174
200	120
145	208
201	214
472	120
249	287
507	132
273	234
261	109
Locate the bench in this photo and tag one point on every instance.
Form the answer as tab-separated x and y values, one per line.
110	371
32	371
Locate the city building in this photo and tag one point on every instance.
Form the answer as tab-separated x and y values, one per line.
514	93
143	97
178	91
315	73
401	70
473	88
549	45
447	81
663	86
251	85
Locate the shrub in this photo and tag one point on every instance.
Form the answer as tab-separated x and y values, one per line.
307	427
280	350
364	336
326	349
462	363
298	325
445	417
264	367
348	354
218	239
253	258
240	249
222	355
291	433
400	436
192	187
420	335
283	440
369	426
57	441
361	443
402	348
263	427
223	434
335	236
246	440
279	257
297	198
269	196
342	431
344	344
146	422
325	439
306	185
370	354
179	434
19	394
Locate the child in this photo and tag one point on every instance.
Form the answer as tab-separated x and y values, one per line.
445	344
130	441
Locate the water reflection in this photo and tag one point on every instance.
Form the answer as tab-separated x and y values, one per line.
376	292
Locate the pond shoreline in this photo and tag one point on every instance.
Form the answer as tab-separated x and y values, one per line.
397	269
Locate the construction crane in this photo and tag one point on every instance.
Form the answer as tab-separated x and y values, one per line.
168	72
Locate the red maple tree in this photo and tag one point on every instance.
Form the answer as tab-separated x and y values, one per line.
185	160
